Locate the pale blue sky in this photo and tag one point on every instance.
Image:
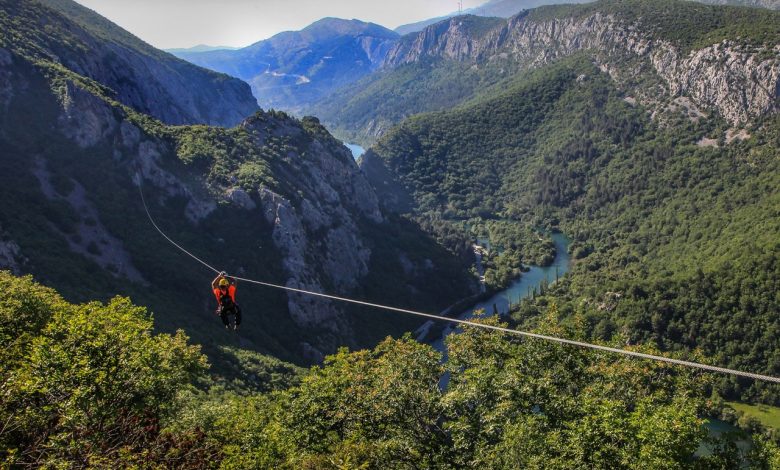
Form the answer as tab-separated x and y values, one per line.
184	23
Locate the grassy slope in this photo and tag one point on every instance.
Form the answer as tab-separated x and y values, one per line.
768	415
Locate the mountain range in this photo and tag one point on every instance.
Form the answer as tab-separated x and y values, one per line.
298	67
312	71
200	48
660	58
658	66
294	70
645	134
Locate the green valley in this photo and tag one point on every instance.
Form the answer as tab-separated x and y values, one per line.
675	243
275	198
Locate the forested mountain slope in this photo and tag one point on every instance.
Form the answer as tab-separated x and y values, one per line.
274	198
140	76
675	224
296	68
670	196
664	53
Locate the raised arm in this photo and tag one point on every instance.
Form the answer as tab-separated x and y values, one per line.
214	283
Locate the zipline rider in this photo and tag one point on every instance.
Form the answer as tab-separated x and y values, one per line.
224	288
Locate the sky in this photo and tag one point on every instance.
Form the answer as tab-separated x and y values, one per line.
169	24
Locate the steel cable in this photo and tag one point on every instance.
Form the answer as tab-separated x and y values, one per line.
582	344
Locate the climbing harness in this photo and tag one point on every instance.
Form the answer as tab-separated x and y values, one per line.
526	334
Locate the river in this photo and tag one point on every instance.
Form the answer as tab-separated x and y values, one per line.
520	288
717	429
357	150
531	280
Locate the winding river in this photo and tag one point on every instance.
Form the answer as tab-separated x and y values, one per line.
531	280
519	288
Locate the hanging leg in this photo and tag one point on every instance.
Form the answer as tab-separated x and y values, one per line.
223	314
238	316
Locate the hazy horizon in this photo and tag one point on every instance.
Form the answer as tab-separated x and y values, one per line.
174	24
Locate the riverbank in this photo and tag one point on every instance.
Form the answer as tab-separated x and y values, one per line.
499	302
431	330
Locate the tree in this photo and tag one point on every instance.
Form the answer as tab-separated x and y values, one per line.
93	385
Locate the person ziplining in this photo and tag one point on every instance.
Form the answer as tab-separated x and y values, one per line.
224	288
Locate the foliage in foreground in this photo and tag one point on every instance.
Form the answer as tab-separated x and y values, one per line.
90	386
87	385
509	404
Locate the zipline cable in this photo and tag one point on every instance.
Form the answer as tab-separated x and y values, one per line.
526	334
148	214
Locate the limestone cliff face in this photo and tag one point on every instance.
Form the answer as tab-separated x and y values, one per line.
10	254
314	213
737	82
317	231
144	78
6	91
446	39
178	93
769	4
88	121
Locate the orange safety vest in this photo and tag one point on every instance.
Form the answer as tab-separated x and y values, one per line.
231	291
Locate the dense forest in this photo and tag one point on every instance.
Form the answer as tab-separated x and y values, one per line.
675	243
90	385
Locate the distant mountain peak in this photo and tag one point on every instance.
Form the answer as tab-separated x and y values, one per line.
331	26
296	67
200	48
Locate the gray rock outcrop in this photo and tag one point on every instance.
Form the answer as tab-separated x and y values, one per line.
10	254
738	82
318	234
6	89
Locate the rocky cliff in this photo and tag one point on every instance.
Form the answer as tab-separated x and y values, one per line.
492	8
770	4
737	79
275	198
149	80
672	57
